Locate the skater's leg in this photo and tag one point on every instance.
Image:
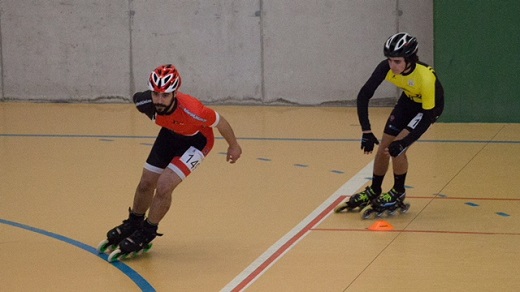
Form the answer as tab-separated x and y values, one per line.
400	166
381	163
144	192
159	206
162	200
392	199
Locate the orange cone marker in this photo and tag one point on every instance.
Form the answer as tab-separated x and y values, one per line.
381	225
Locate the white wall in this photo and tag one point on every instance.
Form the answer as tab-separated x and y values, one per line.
235	51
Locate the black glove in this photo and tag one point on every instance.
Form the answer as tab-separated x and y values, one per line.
367	142
396	148
144	104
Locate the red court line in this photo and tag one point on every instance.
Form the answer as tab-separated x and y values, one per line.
464	198
419	231
341	198
285	247
434	231
292	241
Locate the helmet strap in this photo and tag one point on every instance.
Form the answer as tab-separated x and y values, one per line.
410	65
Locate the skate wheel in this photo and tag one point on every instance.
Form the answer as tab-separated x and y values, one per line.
102	246
367	212
147	247
345	208
393	211
130	255
360	207
116	255
105	246
341	207
406	208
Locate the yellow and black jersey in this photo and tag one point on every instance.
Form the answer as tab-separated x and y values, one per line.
420	86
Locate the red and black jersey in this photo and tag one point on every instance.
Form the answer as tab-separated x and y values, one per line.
188	117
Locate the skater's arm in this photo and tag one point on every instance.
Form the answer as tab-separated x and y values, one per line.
234	149
366	93
143	102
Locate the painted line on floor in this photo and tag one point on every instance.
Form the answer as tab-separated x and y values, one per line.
250	274
417	231
133	275
356	140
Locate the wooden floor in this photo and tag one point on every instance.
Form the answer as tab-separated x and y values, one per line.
68	173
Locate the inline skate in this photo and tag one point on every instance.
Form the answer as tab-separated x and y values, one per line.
390	203
359	200
136	244
120	232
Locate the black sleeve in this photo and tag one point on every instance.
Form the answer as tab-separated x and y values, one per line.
143	102
367	91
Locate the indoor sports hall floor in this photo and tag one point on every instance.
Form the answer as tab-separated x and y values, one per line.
68	174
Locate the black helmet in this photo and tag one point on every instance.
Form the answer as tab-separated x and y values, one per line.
401	45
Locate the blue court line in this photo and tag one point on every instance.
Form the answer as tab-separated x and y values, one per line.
263	159
502	214
133	275
245	138
300	165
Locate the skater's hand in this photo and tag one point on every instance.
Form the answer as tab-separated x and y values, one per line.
396	148
233	153
367	142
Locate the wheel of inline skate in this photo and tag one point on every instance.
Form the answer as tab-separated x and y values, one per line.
139	252
391	212
381	214
147	247
341	207
105	246
406	208
115	255
361	207
131	255
367	212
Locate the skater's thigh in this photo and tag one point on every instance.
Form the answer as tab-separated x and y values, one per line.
168	181
385	142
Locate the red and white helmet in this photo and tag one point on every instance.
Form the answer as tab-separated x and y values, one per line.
164	78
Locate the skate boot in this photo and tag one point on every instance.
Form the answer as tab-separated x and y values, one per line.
361	200
120	232
389	203
134	245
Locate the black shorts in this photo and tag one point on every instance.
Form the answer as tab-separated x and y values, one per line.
405	115
169	145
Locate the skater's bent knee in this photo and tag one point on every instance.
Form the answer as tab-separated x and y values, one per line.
146	185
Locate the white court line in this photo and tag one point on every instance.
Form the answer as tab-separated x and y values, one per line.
288	241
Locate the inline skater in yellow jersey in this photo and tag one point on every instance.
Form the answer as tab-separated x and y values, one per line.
420	105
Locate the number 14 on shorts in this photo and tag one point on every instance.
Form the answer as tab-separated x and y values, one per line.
192	158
